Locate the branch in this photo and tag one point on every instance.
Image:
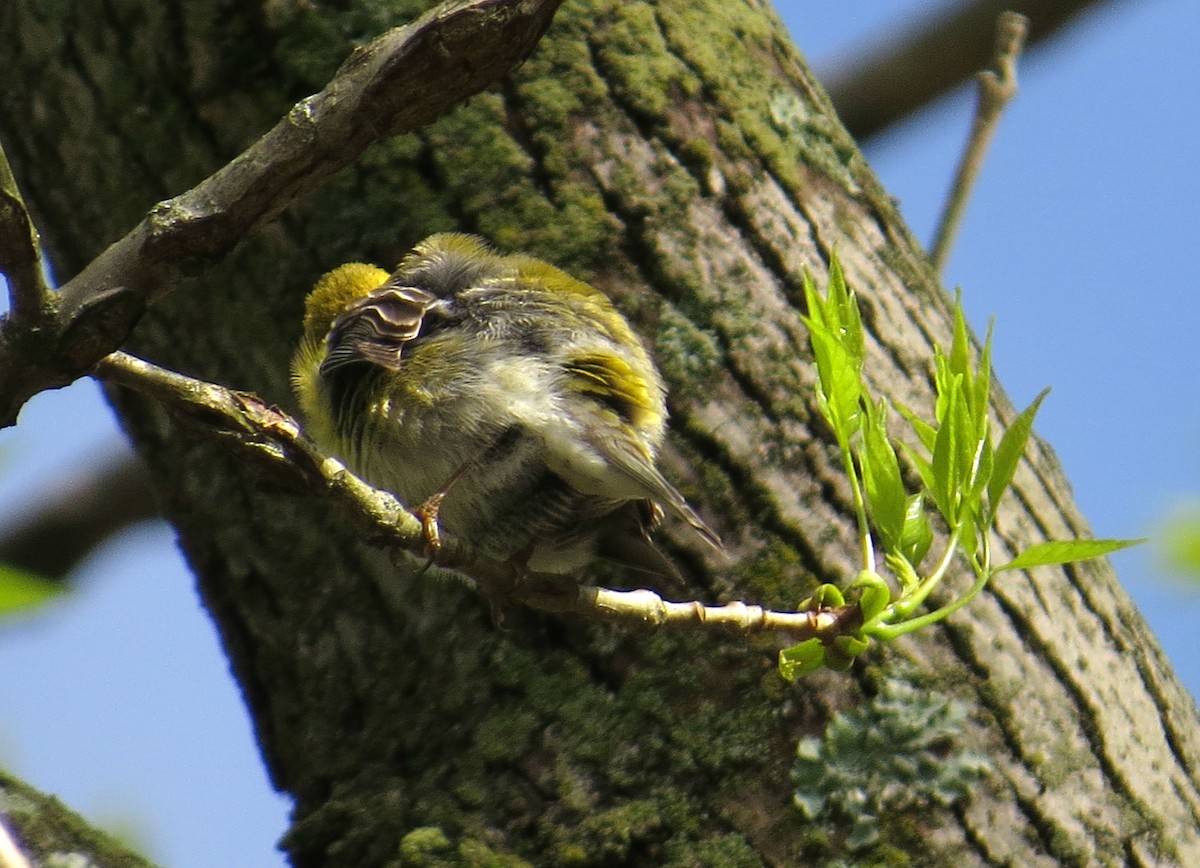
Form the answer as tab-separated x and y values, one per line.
74	517
271	440
995	91
917	67
399	82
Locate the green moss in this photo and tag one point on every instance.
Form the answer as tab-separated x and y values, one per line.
739	739
737	38
698	155
470	787
430	847
504	736
778	575
474	853
427	845
733	144
720	851
644	77
739	64
474	154
611	834
313	39
559	80
599	743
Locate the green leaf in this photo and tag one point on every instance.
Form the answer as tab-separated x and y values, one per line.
20	590
881	477
812	299
836	335
964	438
1178	540
923	466
917	535
840	655
946	451
904	571
971	508
960	358
1056	552
925	432
840	379
1009	452
845	307
943	382
826	596
987	463
976	384
801	659
875	594
982	386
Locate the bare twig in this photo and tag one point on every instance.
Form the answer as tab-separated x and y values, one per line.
399	82
996	88
31	301
273	441
911	69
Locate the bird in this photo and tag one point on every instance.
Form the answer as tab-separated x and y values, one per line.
510	403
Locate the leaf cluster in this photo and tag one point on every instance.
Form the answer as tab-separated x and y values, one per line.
963	474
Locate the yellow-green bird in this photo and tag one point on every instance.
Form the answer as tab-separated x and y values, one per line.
508	400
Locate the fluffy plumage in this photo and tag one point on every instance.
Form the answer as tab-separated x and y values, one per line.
504	383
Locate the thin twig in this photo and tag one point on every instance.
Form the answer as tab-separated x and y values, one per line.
884	82
272	439
30	301
996	88
399	82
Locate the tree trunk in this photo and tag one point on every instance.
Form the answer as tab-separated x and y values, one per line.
680	156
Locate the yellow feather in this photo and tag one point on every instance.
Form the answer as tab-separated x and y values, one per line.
334	291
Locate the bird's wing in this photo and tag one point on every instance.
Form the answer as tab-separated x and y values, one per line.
620	403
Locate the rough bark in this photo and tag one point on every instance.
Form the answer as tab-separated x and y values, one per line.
679	155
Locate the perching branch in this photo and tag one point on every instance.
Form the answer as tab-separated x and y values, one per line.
272	441
996	88
397	83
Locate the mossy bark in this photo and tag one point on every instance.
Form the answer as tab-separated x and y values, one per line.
680	155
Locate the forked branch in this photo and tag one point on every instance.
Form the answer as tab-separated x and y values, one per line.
996	88
400	81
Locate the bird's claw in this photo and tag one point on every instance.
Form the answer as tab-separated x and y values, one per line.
431	533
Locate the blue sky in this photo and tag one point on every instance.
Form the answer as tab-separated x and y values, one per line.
118	698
